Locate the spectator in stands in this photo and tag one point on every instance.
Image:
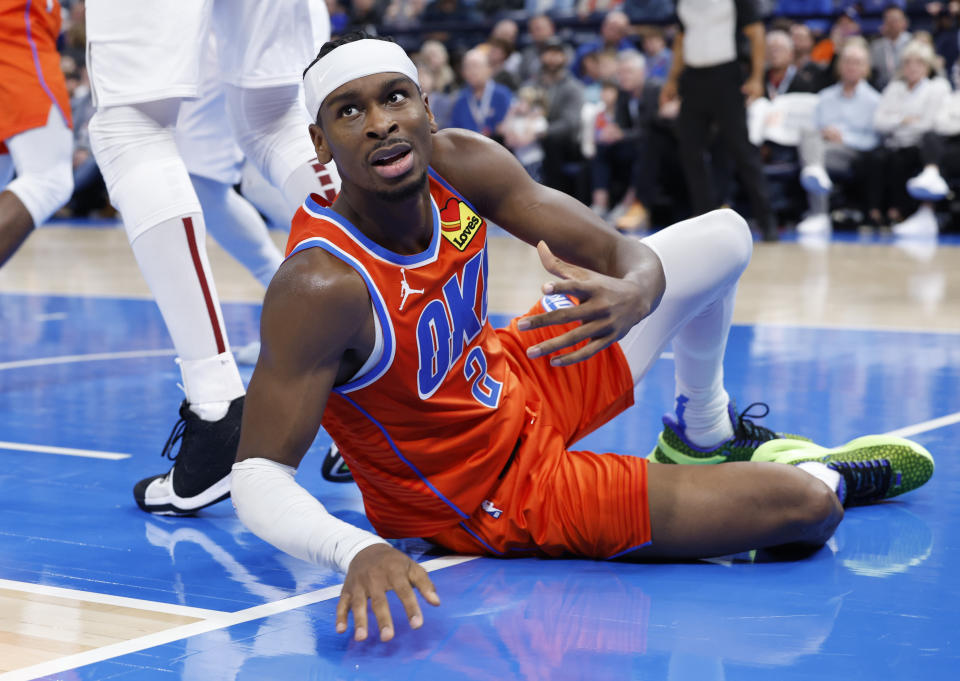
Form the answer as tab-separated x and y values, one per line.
498	52
655	51
846	26
564	100
940	153
627	146
946	38
338	17
906	111
613	38
886	50
598	68
802	38
525	123
842	141
540	28
403	13
782	74
712	93
433	57
508	31
482	103
441	103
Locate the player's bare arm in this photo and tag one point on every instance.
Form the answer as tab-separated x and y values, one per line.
617	280
317	329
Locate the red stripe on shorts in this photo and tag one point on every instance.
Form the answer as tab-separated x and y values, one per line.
202	277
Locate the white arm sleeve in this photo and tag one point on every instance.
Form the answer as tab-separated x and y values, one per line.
275	508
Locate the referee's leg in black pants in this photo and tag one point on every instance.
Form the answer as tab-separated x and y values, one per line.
712	95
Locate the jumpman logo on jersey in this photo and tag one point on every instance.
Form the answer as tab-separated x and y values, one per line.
405	288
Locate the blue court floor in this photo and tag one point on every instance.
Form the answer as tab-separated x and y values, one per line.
881	601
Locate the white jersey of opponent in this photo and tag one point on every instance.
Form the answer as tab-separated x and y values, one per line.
148	50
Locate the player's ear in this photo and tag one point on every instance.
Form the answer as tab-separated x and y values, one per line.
426	105
320	144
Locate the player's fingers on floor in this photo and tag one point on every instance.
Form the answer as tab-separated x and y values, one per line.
381	611
343	609
408	598
358	606
420	579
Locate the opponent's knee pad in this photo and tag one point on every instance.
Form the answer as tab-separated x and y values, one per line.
147	180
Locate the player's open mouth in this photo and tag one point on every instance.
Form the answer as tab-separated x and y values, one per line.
392	161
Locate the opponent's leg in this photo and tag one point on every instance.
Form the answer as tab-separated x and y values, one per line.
238	228
148	183
270	126
42	158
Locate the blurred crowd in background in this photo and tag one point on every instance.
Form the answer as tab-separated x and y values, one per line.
858	123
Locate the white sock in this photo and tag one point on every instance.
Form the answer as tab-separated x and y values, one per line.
826	475
211	384
705	414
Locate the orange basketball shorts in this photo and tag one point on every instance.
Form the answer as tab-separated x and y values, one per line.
551	501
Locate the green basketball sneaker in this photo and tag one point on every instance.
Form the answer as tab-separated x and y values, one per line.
674	447
872	468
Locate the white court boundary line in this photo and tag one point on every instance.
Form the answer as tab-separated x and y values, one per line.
220	621
926	426
107	599
92	357
65	451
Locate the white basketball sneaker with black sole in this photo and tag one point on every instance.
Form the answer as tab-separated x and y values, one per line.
200	475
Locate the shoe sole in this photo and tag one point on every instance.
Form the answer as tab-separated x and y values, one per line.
664	453
925	194
172	504
917	471
813	186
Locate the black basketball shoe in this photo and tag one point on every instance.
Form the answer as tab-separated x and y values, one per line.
200	475
334	468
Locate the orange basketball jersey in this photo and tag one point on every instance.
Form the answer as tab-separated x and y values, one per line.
30	76
431	419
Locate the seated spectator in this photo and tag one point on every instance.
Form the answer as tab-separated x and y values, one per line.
885	52
441	103
434	58
540	28
655	51
506	30
907	110
613	38
782	75
940	154
826	51
599	68
525	123
802	38
842	140
448	13
482	103
498	52
626	146
564	100
338	17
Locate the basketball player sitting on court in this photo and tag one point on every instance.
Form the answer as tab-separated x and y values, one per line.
376	325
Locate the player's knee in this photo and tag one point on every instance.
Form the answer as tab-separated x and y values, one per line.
818	512
44	191
736	235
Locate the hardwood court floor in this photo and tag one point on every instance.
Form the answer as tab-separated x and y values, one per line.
840	338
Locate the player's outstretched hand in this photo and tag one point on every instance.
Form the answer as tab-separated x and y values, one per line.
372	573
609	307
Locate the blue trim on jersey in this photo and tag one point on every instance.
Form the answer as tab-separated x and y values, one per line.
434	175
386	327
477	537
376	249
407	461
626	551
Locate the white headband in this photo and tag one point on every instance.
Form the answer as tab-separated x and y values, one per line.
350	61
